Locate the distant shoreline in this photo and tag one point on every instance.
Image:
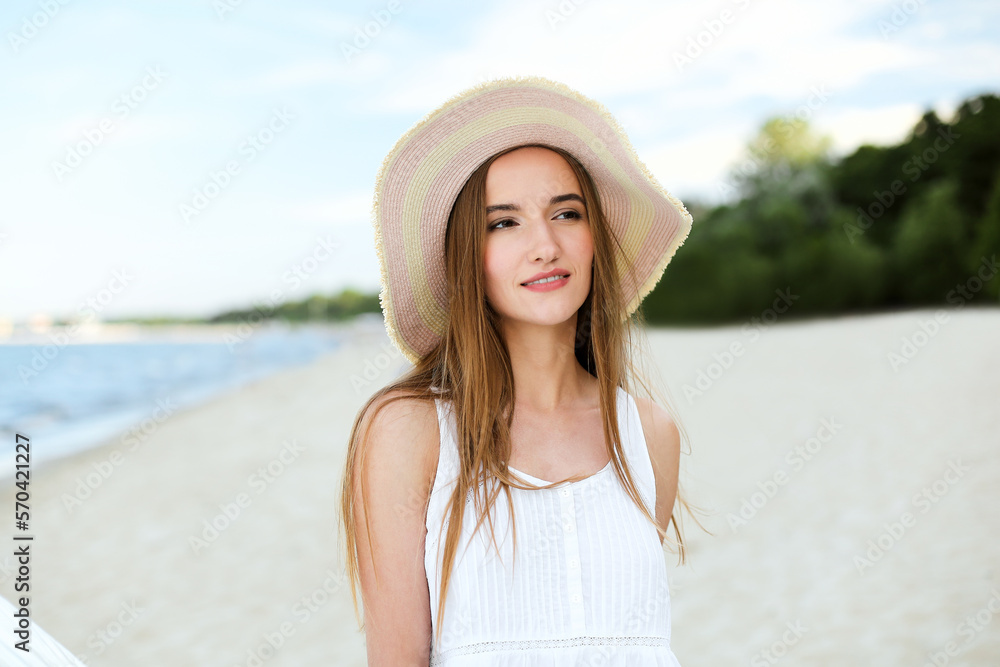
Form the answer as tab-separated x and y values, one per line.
100	333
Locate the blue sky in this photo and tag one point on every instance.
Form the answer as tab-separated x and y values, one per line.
115	114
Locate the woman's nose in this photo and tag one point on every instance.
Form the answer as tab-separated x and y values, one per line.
544	242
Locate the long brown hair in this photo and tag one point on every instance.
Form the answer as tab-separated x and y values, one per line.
471	367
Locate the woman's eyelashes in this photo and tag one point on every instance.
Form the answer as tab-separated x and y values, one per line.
574	215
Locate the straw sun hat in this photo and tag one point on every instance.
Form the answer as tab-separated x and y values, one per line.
422	175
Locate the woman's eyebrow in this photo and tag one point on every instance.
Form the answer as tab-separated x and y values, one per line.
558	199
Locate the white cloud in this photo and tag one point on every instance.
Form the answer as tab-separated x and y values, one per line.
776	49
696	166
879	126
312	72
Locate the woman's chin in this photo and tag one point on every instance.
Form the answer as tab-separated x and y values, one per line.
541	319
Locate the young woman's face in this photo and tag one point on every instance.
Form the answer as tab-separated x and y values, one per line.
536	222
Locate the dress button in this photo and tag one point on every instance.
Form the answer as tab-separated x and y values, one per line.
575	598
574	562
564	493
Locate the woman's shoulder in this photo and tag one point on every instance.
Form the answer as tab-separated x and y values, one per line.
399	412
403	404
658	427
403	433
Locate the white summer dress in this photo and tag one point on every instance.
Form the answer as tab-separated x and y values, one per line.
589	586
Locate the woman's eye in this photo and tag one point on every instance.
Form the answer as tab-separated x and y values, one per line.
497	224
573	215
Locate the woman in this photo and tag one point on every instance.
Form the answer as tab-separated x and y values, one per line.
517	231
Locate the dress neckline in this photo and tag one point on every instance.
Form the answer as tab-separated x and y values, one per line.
539	480
621	398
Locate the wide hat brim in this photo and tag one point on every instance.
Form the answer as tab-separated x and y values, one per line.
422	175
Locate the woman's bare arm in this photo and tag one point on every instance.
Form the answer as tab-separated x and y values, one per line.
399	469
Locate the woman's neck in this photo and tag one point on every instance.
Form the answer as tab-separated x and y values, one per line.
547	375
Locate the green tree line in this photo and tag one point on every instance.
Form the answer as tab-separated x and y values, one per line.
911	225
341	306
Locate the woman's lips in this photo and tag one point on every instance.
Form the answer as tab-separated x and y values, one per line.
548	286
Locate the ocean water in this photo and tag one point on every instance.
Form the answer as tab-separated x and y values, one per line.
87	393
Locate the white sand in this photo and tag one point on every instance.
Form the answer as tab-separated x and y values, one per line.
116	579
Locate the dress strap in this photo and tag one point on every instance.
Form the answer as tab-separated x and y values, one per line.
447	469
637	451
447	442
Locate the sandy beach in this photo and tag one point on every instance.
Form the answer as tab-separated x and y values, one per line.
850	467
